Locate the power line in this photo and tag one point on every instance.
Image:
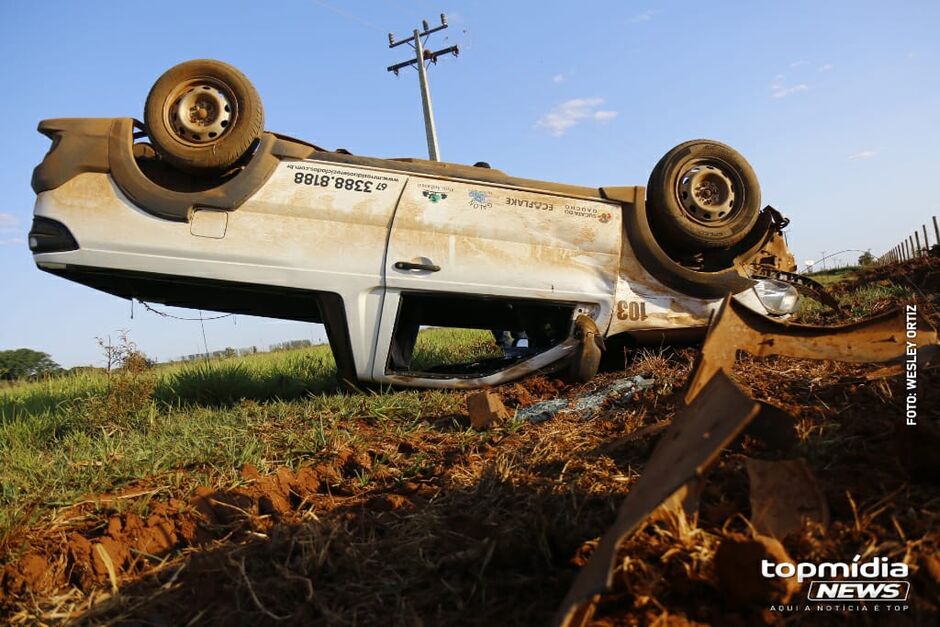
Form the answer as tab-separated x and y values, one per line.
205	342
400	8
164	314
421	62
347	15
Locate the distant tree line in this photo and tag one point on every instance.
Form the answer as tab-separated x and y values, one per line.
250	350
25	363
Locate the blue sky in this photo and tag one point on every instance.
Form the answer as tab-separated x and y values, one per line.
834	104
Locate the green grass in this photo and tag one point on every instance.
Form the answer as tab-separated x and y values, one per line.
81	434
265	376
831	277
857	303
436	347
280	375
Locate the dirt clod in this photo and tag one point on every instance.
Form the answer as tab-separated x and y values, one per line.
30	573
486	409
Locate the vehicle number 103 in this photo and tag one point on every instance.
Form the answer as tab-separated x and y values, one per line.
632	310
338	182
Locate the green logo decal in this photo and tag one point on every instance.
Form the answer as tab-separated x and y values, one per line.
434	196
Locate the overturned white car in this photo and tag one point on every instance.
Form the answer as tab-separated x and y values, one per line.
199	207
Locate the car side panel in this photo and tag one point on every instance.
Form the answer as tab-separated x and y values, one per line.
289	233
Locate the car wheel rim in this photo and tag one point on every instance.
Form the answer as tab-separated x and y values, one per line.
200	111
707	192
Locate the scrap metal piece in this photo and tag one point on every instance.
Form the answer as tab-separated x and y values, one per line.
587	404
927	357
784	494
803	284
880	338
691	443
775	253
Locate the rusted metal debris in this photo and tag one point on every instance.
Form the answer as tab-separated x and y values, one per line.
880	338
784	494
691	444
717	411
775	253
927	357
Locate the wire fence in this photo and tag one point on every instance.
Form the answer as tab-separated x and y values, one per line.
915	245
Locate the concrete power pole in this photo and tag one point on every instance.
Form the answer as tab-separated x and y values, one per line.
421	57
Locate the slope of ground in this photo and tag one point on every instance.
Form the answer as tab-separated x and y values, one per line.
388	509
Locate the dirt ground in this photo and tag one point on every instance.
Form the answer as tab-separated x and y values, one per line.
493	530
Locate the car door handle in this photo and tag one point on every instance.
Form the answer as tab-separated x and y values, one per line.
408	265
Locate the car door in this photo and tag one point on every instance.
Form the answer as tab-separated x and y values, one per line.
323	227
516	247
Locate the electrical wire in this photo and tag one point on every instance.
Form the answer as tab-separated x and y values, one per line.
347	15
164	314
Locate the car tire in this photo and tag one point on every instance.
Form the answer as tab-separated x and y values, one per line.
202	116
702	195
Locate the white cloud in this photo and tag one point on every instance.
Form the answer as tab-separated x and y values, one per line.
825	67
865	154
797	64
558	78
778	89
645	16
783	92
7	222
562	117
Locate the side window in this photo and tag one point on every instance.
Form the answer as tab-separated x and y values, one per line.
461	336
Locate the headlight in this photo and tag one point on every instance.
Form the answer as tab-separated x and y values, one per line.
777	297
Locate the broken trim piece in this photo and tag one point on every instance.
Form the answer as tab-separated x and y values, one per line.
533	364
803	284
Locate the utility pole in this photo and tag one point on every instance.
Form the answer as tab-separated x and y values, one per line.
421	58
